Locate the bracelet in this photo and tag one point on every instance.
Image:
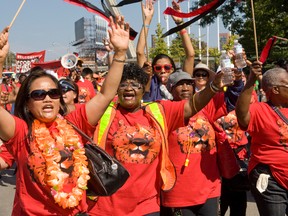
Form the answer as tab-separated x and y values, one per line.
118	60
193	102
183	31
179	23
214	88
147	26
111	53
1	80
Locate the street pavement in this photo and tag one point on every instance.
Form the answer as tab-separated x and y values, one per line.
7	190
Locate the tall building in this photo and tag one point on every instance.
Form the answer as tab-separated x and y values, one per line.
89	34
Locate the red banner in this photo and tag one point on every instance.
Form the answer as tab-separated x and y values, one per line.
52	65
24	60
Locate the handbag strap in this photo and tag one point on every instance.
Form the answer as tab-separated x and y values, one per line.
80	132
278	112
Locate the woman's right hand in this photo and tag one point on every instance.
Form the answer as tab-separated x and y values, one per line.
176	7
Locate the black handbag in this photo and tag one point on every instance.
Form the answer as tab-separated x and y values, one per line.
107	174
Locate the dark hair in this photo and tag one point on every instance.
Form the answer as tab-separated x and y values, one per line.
71	83
21	110
86	71
160	56
134	72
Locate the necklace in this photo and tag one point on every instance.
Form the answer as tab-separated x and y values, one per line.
48	146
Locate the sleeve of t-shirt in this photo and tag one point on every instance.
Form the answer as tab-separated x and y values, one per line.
79	118
19	139
174	113
216	107
232	94
6	156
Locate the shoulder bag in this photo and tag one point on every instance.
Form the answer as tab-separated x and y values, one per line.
107	174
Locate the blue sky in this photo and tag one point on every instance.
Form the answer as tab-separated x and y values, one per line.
49	24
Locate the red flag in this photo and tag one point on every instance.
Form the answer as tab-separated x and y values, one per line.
52	65
126	2
267	48
104	14
89	7
171	11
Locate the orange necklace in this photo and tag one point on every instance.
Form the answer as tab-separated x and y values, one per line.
47	145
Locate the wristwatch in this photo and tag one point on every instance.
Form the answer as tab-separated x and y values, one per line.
1	80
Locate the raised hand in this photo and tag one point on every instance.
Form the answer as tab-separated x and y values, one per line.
4	45
119	34
176	6
255	70
148	10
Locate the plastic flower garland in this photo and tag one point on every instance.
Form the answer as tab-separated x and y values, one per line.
46	147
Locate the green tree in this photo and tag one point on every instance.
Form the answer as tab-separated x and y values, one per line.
270	18
160	45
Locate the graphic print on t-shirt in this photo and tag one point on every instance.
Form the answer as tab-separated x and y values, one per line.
136	144
283	129
230	125
196	137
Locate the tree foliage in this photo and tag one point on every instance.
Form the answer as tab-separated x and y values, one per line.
160	45
270	18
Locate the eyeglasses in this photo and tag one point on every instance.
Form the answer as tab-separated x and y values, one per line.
158	68
38	95
133	85
201	75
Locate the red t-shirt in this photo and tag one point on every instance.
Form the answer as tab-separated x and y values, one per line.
86	91
5	155
133	140
30	198
269	141
236	136
200	180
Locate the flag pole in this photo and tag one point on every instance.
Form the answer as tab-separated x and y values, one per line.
254	28
16	13
145	33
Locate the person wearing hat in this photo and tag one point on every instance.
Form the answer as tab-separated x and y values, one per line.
192	149
203	76
70	93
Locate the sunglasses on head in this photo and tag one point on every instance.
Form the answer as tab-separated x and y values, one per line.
201	75
66	86
158	68
40	94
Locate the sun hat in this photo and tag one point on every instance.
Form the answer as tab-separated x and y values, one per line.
176	77
201	66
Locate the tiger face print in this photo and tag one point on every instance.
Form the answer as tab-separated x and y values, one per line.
136	144
196	137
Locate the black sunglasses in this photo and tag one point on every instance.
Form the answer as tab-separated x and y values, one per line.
40	94
66	86
201	75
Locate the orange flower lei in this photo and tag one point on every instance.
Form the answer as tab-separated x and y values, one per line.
47	146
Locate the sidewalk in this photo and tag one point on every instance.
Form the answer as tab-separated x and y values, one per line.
7	190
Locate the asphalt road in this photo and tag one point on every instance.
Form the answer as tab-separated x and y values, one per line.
7	190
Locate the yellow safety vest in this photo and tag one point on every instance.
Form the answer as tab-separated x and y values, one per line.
156	111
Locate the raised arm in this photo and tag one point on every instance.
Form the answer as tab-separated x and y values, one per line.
188	65
148	10
243	102
7	124
119	37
